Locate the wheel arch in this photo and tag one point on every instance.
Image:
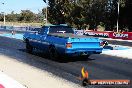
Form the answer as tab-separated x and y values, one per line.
26	40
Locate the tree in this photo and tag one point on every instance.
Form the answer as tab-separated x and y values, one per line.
27	16
125	16
11	17
80	13
76	13
44	1
1	17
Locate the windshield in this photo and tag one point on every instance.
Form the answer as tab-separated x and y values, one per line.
60	29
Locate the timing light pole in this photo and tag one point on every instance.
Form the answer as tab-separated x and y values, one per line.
46	14
46	11
4	14
118	3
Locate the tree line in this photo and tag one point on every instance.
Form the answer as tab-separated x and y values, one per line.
23	16
84	14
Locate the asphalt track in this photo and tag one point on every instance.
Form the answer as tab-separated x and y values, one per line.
99	66
124	43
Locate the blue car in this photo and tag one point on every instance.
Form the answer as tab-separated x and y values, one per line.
60	40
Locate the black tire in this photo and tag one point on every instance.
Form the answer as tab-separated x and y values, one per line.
53	54
29	48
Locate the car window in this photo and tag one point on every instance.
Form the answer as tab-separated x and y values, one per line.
61	29
41	31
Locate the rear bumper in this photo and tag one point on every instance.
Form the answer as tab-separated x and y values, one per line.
83	51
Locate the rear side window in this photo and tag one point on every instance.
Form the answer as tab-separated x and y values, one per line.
36	29
41	30
60	29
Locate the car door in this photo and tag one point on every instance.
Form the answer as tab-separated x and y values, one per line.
40	39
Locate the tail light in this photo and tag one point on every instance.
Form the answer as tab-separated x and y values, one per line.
101	43
68	45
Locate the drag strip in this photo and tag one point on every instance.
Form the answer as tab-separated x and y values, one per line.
99	66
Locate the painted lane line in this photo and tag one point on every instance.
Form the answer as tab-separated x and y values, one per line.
8	82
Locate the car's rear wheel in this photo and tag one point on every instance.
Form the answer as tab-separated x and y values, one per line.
29	48
53	54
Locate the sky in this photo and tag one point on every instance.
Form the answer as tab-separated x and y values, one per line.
18	5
